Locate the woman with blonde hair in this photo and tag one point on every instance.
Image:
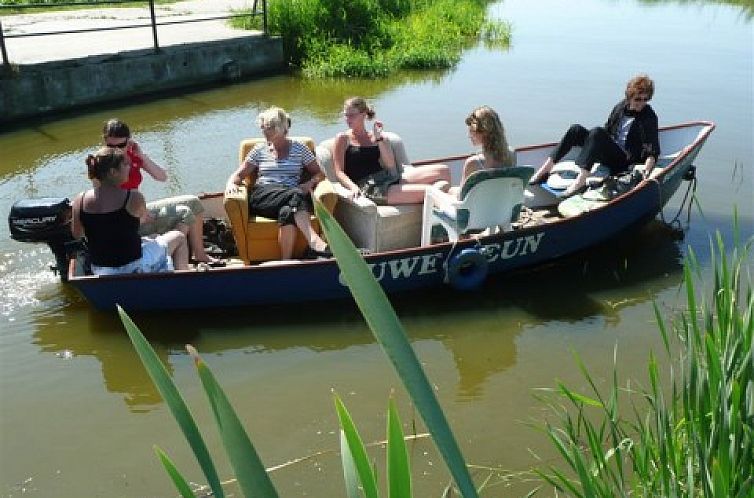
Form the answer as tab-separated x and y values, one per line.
629	136
277	194
360	156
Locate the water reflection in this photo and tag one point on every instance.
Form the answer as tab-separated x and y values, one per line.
500	311
745	5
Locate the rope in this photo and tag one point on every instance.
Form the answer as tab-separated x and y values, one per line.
674	221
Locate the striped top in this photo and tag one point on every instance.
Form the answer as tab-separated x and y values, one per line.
286	171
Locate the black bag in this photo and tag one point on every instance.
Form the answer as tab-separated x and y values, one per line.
375	186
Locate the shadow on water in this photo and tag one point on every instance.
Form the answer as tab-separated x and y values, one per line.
649	260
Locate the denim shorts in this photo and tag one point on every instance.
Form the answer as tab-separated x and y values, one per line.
154	258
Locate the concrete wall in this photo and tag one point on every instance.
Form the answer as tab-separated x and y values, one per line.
36	89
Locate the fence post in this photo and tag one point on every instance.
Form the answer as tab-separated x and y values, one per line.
154	26
6	62
264	16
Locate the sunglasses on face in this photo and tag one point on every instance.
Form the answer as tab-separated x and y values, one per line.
121	145
640	98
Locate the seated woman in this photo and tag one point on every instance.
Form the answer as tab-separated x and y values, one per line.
183	212
486	130
630	136
359	154
108	216
277	193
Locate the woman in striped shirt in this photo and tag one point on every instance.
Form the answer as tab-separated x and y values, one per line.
277	193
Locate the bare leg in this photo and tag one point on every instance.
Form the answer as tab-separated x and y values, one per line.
195	237
542	172
577	184
303	222
406	193
286	240
428	174
178	249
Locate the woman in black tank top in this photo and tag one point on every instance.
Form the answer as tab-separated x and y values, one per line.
359	154
109	217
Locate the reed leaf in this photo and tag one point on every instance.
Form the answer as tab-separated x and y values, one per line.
357	453
174	400
398	468
388	331
350	474
180	482
249	470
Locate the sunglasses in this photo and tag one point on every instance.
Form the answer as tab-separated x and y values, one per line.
640	99
121	145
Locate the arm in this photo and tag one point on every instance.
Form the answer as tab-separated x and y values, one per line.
317	176
155	170
471	165
77	229
653	146
387	158
236	179
338	159
137	206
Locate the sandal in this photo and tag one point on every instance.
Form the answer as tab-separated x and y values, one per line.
212	262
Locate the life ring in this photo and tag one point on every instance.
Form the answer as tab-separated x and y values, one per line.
467	270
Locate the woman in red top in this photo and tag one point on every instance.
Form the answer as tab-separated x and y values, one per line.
182	212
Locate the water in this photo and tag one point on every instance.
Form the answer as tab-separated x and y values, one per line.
78	416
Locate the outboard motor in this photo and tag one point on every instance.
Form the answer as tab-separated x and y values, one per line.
48	220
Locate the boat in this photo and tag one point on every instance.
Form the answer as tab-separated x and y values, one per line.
463	263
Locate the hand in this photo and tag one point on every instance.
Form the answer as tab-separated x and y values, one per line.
377	130
133	147
232	189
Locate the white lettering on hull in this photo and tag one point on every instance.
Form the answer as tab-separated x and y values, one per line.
427	264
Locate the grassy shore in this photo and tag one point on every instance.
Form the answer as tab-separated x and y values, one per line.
372	38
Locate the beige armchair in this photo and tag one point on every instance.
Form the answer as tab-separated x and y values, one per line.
257	237
372	227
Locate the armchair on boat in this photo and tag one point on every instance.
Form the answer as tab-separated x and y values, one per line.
257	237
489	198
372	227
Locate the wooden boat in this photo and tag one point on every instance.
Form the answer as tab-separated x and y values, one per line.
528	244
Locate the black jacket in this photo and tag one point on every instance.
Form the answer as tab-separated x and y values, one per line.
643	140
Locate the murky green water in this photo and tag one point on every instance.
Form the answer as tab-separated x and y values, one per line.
78	416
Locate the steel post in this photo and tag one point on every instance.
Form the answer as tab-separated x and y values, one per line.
154	26
6	62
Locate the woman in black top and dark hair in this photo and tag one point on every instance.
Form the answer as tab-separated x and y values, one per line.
630	136
108	216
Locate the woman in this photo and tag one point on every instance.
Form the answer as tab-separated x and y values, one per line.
630	136
486	130
359	154
183	212
277	193
109	215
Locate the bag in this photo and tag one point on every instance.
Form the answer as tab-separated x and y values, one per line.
375	186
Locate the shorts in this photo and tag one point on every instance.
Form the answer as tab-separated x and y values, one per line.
154	258
170	212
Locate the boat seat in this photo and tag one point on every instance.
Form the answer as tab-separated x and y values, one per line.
372	227
489	198
257	237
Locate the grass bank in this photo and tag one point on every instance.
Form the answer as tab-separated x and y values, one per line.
372	38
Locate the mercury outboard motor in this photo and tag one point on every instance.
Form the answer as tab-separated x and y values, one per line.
48	220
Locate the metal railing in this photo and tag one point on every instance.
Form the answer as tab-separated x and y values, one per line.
153	20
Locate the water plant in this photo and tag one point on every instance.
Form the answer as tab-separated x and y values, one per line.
247	465
371	38
693	437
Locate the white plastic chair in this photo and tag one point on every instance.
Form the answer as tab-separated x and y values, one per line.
488	198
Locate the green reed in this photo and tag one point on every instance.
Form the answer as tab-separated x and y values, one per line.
372	38
358	472
694	437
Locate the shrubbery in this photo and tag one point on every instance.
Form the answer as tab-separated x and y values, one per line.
371	38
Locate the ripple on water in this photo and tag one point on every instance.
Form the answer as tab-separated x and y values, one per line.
23	274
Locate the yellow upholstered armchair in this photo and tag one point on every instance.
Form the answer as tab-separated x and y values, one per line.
257	237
